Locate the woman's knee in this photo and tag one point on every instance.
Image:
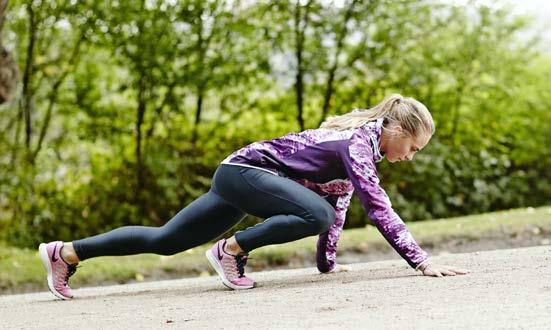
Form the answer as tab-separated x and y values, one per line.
324	218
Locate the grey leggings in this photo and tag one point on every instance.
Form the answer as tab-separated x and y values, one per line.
291	210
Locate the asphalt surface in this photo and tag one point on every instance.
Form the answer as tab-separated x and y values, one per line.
507	289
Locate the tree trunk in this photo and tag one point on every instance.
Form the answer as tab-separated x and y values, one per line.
54	94
200	93
201	48
329	89
3	6
299	47
140	114
167	100
9	71
27	97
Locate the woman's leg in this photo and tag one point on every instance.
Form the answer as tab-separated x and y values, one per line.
204	219
292	211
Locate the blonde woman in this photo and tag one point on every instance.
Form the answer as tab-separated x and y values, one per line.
300	183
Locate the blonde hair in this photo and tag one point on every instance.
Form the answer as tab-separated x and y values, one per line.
407	112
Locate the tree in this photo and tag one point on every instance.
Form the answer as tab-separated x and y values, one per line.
9	72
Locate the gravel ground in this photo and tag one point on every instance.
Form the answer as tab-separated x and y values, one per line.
507	289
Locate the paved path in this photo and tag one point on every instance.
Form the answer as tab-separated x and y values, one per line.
508	289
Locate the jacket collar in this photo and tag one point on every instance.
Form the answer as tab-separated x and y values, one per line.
374	130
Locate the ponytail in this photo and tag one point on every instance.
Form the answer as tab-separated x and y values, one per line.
409	113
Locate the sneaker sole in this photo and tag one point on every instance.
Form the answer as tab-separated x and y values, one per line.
46	263
214	263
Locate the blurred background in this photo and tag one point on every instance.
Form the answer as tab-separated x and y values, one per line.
118	112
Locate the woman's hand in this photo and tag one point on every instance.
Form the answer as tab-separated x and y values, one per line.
442	270
339	268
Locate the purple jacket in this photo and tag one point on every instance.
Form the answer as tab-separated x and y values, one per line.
335	164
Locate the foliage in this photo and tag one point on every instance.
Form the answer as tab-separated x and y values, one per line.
126	108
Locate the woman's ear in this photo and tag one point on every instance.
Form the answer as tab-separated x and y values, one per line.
397	130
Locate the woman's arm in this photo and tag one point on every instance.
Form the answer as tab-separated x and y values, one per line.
359	165
326	254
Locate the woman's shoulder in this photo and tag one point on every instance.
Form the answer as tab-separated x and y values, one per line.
318	135
374	126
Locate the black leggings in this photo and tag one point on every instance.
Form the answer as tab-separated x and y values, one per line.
292	211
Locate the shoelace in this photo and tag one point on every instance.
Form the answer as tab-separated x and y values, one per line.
71	270
241	262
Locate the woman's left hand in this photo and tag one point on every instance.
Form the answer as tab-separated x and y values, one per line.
340	268
443	270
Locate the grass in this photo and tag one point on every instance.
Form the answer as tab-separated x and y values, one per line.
22	271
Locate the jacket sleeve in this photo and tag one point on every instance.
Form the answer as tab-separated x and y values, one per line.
359	164
326	253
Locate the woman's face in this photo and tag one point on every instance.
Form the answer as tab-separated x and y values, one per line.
400	146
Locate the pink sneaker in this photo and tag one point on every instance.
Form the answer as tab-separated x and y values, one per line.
230	268
58	270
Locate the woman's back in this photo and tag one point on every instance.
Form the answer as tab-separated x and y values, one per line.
317	155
